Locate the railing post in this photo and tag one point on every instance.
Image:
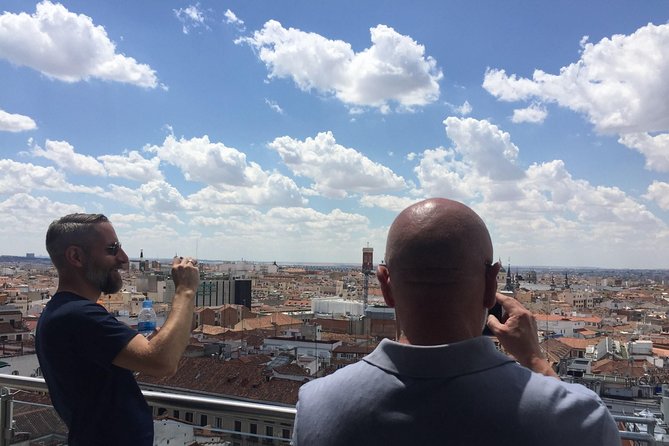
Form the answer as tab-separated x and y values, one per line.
6	417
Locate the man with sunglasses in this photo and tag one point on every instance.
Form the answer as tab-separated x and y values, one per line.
443	382
86	355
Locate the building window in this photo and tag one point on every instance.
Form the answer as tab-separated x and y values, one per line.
285	433
253	428
175	414
238	428
269	431
203	420
219	423
189	417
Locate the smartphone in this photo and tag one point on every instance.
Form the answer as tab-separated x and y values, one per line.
498	312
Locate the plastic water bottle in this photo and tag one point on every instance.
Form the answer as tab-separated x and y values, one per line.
146	319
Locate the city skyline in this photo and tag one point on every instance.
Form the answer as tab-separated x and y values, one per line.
295	131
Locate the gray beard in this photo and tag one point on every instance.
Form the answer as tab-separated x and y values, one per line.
108	282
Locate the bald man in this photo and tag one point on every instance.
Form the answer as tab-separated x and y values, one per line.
443	382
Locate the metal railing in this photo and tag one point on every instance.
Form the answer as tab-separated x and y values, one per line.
638	436
224	406
229	406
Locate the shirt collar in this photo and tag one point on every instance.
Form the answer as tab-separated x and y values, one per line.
437	361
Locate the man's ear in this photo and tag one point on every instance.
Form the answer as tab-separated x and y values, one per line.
491	272
383	275
75	256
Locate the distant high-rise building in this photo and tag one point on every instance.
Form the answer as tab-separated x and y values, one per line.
367	259
242	294
217	292
367	267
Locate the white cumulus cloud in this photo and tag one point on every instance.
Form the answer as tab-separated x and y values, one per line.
619	83
393	70
207	162
232	19
190	17
488	149
67	46
389	202
132	166
274	190
232	178
63	155
335	170
535	113
441	174
31	214
481	163
18	177
654	148
243	231
153	196
659	193
274	106
464	109
11	122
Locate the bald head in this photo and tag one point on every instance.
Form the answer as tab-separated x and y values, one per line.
437	241
439	275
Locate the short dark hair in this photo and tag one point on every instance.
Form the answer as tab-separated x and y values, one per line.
70	230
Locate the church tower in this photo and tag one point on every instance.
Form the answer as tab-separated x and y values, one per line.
509	280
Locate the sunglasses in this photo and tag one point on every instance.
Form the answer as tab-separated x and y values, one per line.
113	248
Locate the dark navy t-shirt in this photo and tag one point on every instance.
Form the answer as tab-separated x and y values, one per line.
76	342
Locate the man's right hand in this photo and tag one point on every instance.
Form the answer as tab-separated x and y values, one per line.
160	355
518	335
185	274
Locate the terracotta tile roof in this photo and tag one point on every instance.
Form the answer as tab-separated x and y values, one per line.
254	340
31	415
246	335
555	350
360	349
661	352
346	338
291	369
557	317
235	378
212	330
255	359
622	367
271	321
579	343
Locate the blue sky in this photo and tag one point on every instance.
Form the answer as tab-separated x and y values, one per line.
295	131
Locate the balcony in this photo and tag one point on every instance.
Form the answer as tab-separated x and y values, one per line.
176	417
235	423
